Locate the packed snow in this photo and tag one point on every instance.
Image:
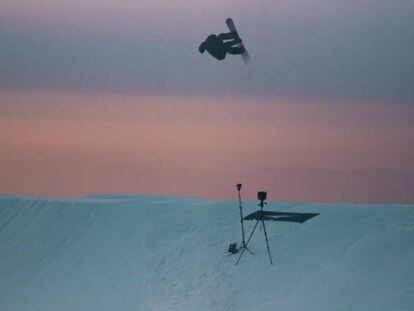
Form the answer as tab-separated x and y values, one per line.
131	252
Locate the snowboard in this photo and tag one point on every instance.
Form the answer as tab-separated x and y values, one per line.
245	55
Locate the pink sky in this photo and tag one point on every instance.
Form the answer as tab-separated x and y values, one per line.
323	113
75	144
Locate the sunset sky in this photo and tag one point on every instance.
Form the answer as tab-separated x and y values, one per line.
113	97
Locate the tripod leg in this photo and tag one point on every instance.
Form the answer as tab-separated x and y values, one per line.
267	243
244	245
241	219
251	234
249	251
244	248
241	254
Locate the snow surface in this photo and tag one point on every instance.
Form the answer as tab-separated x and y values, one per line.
131	252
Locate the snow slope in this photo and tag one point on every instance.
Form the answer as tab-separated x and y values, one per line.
169	253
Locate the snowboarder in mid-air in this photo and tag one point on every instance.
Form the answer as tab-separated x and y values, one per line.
219	46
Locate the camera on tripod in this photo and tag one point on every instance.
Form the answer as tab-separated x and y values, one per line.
261	196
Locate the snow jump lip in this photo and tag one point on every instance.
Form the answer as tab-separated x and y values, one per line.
280	216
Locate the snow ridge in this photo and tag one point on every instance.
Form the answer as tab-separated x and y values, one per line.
128	252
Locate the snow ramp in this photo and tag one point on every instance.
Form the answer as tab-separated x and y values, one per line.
131	252
71	255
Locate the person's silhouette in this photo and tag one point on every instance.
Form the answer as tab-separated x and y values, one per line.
218	46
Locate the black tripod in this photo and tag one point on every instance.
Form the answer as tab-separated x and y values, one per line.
262	197
243	243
